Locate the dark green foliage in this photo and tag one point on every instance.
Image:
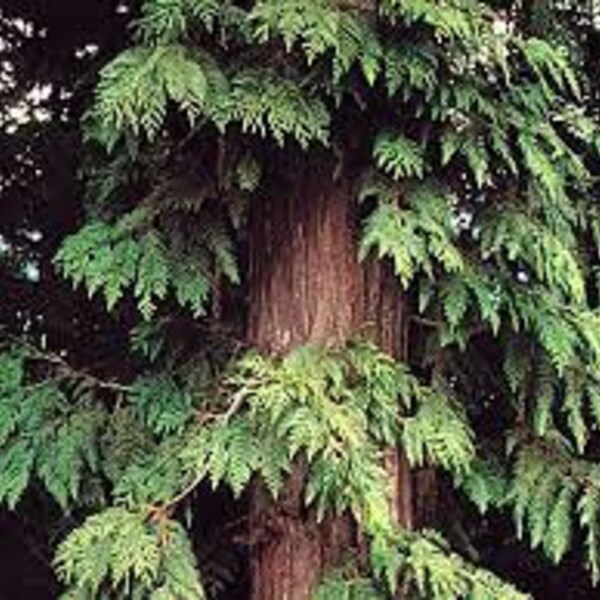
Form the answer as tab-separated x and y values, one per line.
44	435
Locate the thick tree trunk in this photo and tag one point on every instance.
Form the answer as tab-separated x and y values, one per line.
307	287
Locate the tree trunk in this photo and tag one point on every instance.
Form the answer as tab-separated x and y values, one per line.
307	287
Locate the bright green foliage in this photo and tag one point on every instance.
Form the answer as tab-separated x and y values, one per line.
399	156
411	69
437	573
415	236
462	20
548	62
132	553
308	406
169	20
477	157
519	239
165	406
485	485
318	28
136	87
553	493
330	409
266	104
133	255
438	434
431	570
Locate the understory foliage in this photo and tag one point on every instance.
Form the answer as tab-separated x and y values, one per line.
476	179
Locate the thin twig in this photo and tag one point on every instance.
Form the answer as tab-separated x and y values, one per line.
62	363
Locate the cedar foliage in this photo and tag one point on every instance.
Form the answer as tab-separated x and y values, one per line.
479	190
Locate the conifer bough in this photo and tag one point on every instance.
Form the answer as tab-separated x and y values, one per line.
405	195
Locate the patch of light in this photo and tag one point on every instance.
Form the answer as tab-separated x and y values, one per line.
33	235
502	25
4	245
25	27
42	115
7	75
31	271
87	50
19	113
39	93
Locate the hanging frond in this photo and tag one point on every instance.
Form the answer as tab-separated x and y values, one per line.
269	105
429	569
167	21
133	254
416	237
131	552
135	88
519	238
554	495
318	28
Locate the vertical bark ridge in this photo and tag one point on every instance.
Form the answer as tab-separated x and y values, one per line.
307	287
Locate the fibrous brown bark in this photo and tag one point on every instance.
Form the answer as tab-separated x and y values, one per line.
307	287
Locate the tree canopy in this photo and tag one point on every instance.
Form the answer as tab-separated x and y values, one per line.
145	149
